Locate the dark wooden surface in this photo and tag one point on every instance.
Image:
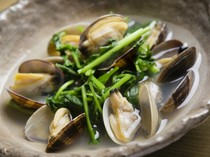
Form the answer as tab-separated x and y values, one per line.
196	143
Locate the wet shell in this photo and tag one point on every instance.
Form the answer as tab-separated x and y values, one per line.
157	34
67	135
178	66
41	66
24	101
121	120
101	31
66	39
166	49
37	126
180	93
148	108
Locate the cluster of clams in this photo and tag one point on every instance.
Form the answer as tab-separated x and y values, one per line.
121	120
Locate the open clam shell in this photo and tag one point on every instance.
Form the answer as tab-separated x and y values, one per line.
121	120
68	134
71	36
24	101
37	126
35	78
166	49
101	31
41	66
180	93
157	34
148	108
178	66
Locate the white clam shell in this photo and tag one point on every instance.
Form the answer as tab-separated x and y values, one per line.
148	106
37	126
106	119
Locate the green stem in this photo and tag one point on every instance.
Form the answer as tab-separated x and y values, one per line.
122	43
97	83
97	103
76	59
105	77
117	85
64	68
90	128
63	87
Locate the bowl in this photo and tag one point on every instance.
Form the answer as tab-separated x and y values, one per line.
27	26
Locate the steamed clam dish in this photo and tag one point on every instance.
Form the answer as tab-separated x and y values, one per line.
106	78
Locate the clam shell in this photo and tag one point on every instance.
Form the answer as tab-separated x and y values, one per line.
178	66
148	109
41	66
98	33
157	34
180	93
66	39
37	126
68	134
166	49
109	121
24	101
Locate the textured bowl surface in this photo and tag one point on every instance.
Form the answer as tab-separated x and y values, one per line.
26	27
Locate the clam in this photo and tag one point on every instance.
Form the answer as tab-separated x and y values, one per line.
123	60
35	78
69	35
72	40
25	101
64	130
56	129
157	34
166	49
178	66
54	59
180	93
149	95
37	126
121	120
101	32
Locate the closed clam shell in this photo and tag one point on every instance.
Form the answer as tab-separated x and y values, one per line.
67	135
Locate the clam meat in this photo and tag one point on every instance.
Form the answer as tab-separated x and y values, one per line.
35	78
101	32
120	118
64	130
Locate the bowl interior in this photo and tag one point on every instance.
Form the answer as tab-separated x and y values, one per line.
38	28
